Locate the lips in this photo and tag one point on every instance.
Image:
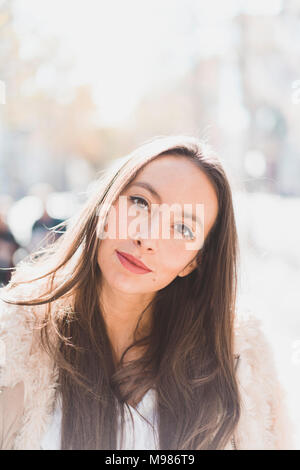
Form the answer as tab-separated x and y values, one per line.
134	260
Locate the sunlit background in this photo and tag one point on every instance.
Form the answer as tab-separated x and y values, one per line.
84	82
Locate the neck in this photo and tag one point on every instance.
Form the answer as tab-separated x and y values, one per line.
122	312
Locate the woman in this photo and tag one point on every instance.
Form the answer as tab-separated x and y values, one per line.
88	335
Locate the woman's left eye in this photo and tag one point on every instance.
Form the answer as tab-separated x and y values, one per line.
189	232
140	199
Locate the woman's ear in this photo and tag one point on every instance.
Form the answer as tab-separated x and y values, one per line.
190	267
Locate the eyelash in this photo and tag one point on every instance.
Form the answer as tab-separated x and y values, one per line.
133	198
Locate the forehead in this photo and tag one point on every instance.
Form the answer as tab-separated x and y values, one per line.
179	180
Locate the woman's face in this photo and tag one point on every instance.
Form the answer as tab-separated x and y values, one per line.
155	233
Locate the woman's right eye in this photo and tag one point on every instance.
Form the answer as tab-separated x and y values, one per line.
140	199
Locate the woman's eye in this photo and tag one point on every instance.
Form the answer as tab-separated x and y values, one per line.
140	199
184	230
187	232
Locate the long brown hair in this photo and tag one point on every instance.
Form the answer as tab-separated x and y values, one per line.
188	355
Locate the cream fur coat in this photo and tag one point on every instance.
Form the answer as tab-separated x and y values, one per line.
28	383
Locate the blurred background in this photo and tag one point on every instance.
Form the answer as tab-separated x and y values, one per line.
84	82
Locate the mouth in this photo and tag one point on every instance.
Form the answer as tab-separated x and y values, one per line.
132	264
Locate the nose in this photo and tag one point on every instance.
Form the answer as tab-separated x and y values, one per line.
145	237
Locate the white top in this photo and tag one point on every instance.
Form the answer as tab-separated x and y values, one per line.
145	438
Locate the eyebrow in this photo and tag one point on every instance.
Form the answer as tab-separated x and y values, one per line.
153	191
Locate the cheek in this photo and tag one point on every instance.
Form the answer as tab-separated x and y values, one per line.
110	267
171	259
111	224
117	223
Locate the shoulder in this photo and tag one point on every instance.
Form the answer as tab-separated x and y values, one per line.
250	341
19	334
265	422
15	339
256	356
27	375
11	412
